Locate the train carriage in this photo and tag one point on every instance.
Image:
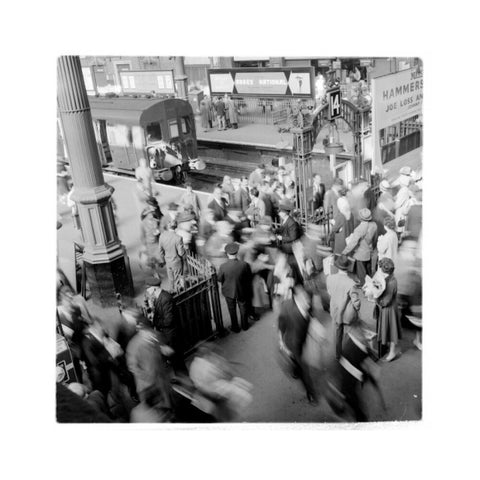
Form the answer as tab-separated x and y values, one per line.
160	130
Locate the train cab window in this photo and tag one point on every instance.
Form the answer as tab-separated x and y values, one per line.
154	132
173	126
186	128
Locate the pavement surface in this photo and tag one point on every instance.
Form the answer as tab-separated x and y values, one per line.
254	353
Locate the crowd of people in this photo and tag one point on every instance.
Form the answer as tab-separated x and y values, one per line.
360	247
219	112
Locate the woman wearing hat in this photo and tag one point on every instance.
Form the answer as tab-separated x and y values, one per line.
361	243
386	311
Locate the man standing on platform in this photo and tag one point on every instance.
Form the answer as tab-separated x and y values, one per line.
236	278
218	205
289	230
220	110
172	252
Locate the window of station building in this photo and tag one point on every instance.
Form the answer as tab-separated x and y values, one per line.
173	126
154	132
186	126
403	137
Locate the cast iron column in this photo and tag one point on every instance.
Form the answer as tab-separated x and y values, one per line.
302	158
105	259
181	78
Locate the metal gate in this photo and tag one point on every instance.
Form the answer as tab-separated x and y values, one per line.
197	303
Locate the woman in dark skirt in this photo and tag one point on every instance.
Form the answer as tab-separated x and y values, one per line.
386	312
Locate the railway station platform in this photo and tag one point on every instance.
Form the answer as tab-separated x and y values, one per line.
263	137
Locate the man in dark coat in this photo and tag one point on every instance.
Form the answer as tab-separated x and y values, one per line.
318	192
332	195
236	278
293	323
218	205
289	229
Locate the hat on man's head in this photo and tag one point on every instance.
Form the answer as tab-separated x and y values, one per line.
385	185
285	205
185	217
386	265
338	181
405	171
231	248
153	282
261	166
365	214
342	262
172	206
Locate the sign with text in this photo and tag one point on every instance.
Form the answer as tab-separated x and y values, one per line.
147	81
334	102
263	82
395	97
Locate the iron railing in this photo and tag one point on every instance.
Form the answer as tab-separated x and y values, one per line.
197	303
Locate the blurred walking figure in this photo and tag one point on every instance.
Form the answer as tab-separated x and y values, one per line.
146	362
236	278
293	323
172	251
144	175
386	312
219	393
332	195
385	207
149	235
318	192
344	300
343	225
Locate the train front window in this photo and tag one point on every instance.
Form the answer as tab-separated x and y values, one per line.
186	125
173	125
154	132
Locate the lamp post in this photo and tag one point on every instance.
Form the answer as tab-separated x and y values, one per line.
106	263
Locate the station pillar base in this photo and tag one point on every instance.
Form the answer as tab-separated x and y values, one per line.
105	280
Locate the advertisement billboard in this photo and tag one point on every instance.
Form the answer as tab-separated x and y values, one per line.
263	82
147	81
396	98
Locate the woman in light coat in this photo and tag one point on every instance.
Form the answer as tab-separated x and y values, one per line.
387	244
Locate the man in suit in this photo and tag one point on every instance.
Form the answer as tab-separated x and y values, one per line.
344	300
172	252
318	192
257	176
236	278
241	196
293	323
218	205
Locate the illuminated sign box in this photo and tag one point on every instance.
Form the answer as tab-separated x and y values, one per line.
263	82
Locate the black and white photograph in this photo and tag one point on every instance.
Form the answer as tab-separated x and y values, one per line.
239	239
216	254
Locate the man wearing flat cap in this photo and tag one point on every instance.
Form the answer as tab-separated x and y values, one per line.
236	278
362	243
